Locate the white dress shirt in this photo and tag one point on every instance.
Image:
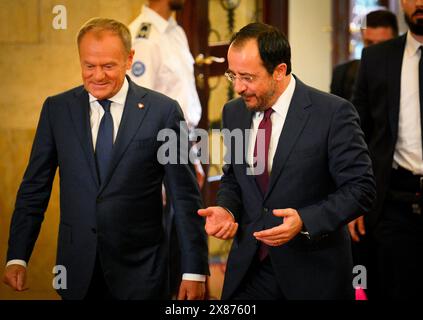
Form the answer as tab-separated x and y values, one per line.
163	62
278	120
116	109
408	150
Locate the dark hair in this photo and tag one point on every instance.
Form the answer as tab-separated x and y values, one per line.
273	46
382	18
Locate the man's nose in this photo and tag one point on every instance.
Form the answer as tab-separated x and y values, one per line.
239	86
98	73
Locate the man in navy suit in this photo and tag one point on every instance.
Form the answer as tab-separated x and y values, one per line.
289	221
103	138
389	99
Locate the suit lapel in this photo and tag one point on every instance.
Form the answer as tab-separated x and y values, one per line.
80	110
295	122
394	67
132	117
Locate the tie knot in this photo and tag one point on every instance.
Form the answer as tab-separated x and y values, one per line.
105	104
268	113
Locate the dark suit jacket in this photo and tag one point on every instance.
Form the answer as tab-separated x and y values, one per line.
377	99
121	219
343	79
322	169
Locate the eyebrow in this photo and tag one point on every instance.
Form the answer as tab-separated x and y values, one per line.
241	73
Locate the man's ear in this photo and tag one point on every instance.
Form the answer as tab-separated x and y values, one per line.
130	59
280	72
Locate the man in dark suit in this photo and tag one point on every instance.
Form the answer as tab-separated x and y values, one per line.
312	172
103	138
389	98
379	26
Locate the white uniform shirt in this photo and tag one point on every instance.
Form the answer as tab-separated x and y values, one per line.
163	62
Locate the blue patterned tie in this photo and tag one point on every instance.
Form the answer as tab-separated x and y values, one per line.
104	145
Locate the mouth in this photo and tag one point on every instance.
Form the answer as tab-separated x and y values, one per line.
99	85
418	14
247	98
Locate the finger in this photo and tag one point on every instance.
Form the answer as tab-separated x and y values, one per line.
282	213
234	230
231	231
213	229
269	232
223	230
11	281
361	226
181	294
353	233
205	212
273	243
20	281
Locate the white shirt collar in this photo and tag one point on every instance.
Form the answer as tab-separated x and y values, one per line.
159	22
119	97
412	46
283	102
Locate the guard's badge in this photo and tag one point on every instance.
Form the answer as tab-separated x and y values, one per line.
144	31
138	68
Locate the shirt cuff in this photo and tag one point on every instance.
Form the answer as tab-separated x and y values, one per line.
194	277
16	261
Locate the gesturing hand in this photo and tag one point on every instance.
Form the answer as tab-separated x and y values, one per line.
219	222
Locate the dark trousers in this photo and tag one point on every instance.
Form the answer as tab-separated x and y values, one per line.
260	283
399	253
98	289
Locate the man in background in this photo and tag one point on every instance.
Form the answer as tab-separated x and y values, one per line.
379	26
163	62
389	99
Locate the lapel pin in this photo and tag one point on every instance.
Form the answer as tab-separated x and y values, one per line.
140	106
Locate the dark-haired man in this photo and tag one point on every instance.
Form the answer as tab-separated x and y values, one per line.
288	220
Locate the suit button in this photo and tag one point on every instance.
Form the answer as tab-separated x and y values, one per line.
266	210
99	199
94	230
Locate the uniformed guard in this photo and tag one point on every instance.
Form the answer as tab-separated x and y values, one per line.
163	61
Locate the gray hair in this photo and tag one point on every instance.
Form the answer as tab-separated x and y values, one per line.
99	25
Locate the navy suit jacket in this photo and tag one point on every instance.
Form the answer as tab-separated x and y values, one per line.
343	79
322	169
120	219
377	98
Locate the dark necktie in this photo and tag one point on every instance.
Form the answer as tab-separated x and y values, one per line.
263	178
266	127
104	145
421	90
